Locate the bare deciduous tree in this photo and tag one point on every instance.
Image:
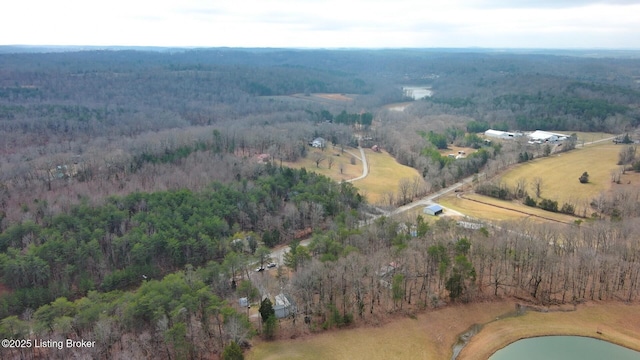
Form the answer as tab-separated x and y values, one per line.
318	158
537	186
404	187
521	188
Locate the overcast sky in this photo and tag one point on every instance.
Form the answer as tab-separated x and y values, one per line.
324	23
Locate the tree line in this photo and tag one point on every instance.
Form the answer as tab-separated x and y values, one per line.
111	246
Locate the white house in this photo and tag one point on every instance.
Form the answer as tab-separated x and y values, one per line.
318	142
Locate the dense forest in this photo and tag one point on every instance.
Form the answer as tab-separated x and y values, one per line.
134	206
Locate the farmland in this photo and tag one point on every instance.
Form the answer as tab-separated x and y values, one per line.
490	209
384	171
427	336
431	335
385	174
130	178
560	174
342	160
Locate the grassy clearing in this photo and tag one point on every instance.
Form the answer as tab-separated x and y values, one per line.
452	149
349	171
489	208
618	323
429	336
339	97
588	136
560	174
384	175
479	211
384	171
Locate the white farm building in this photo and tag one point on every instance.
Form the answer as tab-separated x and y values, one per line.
433	210
539	137
501	134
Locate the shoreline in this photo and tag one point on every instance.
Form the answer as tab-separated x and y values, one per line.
613	322
432	334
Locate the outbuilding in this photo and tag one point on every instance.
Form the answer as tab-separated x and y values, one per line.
284	306
501	134
539	136
433	210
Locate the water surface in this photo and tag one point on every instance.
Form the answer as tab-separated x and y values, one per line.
564	348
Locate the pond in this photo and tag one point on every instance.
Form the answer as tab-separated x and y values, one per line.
564	348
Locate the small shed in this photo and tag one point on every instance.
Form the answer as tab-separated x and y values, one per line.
434	210
284	306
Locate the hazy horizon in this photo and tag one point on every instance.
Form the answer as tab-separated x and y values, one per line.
313	24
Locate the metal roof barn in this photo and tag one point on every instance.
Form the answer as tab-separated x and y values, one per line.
434	210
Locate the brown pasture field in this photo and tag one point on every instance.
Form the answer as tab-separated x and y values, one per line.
478	211
338	97
587	137
432	334
429	335
324	97
385	174
560	173
349	171
487	208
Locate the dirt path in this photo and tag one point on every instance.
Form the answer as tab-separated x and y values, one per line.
365	165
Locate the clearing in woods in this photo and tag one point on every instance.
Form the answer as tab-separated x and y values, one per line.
341	160
385	173
560	173
384	176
